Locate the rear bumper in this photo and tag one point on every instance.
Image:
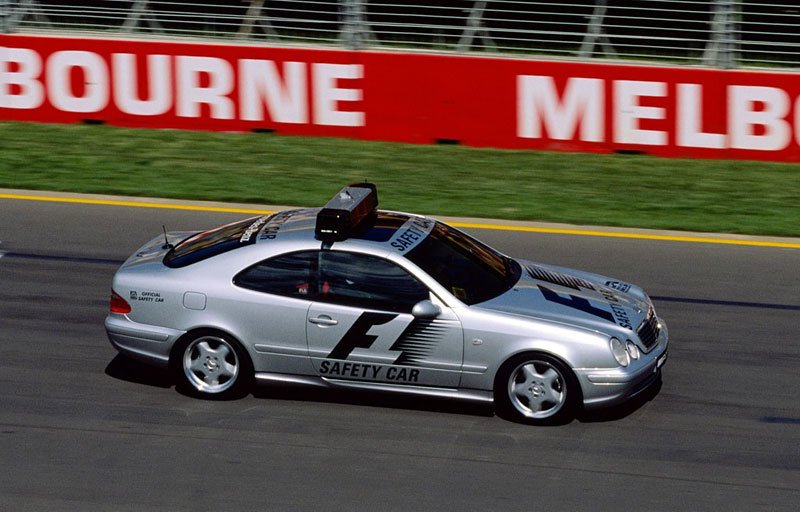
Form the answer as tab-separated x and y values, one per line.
147	343
608	387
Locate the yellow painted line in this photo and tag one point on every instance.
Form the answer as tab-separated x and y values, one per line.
473	225
637	236
134	204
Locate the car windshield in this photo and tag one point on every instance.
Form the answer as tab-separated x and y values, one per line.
214	241
472	271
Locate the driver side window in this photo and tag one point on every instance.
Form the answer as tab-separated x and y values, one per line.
361	280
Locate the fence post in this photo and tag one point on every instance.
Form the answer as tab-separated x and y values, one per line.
596	34
475	29
5	16
139	13
721	49
347	35
355	28
256	18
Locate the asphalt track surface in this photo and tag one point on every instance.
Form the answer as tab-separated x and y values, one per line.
81	429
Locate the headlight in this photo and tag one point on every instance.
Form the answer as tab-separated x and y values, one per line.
620	354
632	349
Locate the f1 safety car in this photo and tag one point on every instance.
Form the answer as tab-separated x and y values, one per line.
349	296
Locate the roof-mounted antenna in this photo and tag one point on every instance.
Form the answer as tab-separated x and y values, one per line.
166	245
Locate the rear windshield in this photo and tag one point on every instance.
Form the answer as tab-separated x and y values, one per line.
215	241
469	269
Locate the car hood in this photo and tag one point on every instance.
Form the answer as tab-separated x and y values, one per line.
570	297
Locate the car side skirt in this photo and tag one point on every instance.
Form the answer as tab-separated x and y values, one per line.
473	395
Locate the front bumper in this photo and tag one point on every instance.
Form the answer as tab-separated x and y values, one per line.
607	387
148	343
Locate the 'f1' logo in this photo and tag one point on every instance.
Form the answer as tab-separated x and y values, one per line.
357	337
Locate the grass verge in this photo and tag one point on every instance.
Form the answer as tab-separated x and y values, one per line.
613	190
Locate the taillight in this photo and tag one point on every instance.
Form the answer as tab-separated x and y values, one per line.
118	304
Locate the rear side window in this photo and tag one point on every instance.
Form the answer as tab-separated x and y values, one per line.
214	241
289	275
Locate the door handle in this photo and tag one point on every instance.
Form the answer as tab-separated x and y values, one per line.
323	320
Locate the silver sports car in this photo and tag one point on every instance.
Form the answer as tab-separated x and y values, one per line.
349	296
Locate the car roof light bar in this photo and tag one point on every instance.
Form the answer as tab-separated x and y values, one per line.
346	211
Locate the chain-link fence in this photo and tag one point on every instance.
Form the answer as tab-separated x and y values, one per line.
721	33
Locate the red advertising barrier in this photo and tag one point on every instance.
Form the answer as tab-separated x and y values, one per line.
407	97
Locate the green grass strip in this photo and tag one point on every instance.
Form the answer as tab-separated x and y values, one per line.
613	190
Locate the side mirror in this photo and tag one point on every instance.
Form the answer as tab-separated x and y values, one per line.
425	309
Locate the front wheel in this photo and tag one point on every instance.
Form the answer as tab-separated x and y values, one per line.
213	365
536	389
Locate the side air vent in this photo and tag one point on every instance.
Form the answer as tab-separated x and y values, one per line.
550	276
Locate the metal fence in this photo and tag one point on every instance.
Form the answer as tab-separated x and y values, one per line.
721	33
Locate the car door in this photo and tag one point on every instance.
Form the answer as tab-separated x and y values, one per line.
360	326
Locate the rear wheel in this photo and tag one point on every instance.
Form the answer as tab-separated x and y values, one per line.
536	389
213	365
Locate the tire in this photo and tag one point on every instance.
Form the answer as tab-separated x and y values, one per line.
213	365
537	389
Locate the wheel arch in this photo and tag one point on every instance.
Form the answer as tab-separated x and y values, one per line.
240	378
180	343
511	359
509	406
